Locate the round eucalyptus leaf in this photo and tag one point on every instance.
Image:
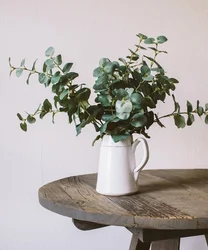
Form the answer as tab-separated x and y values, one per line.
103	62
145	70
19	72
50	51
42	78
130	91
149	40
121	93
179	121
139	120
123	116
105	100
161	39
31	119
123	106
137	99
97	72
109	68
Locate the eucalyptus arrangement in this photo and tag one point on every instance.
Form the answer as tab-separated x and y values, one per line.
127	92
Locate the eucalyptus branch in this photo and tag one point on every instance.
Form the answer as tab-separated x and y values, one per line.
126	93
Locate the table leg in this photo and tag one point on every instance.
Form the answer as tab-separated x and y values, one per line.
173	244
136	244
206	238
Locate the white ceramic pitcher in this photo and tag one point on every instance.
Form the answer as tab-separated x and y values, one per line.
117	170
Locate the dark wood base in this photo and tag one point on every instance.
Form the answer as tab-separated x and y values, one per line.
142	239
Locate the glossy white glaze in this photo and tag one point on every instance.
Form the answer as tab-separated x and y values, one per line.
117	170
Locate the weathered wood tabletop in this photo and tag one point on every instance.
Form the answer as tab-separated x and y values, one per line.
167	199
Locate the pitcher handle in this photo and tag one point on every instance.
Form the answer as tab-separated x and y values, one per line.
146	153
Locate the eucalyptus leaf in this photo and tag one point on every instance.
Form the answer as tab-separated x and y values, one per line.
161	39
56	77
58	60
190	119
31	119
23	126
67	67
138	120
50	51
149	40
19	72
179	121
47	105
19	116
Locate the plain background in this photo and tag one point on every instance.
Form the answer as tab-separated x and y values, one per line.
84	32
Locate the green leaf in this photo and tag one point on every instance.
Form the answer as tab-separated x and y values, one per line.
42	114
72	75
200	110
147	78
103	62
121	93
123	61
58	60
105	100
123	109
33	67
28	78
137	99
19	72
190	119
22	64
97	72
130	91
179	121
149	102
206	106
19	116
23	126
149	40
109	68
103	127
145	70
31	119
206	119
118	138
161	39
173	80
64	93
50	51
138	120
142	36
42	78
56	78
67	67
47	105
189	107
82	94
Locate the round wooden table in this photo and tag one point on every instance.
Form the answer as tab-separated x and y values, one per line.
169	205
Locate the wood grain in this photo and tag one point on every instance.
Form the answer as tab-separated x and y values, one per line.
168	199
173	244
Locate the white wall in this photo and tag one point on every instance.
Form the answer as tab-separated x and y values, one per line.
85	31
